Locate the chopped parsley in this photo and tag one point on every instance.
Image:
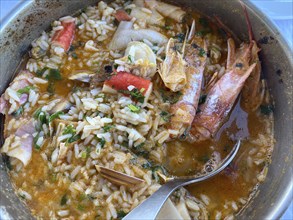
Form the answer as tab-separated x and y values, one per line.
25	90
107	128
54	74
128	11
165	116
133	108
169	96
55	115
18	112
40	73
63	200
201	52
129	58
102	141
71	130
74	55
135	94
80	207
37	147
180	37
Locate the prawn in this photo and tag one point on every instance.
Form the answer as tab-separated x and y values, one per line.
191	65
223	94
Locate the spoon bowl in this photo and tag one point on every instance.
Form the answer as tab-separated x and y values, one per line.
150	208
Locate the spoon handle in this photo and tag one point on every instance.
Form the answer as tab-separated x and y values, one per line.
150	208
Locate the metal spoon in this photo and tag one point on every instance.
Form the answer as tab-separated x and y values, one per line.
150	208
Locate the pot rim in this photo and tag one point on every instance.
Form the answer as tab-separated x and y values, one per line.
287	193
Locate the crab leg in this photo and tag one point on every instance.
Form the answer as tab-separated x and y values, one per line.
124	82
64	37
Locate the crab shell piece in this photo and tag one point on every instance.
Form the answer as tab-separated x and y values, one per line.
123	80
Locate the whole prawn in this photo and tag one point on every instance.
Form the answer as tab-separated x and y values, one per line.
221	97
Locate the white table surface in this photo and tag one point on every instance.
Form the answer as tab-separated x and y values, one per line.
280	12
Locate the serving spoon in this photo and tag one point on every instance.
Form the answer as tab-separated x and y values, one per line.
150	208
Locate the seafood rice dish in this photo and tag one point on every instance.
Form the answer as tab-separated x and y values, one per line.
119	97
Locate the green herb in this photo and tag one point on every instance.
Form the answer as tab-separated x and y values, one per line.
129	58
18	112
102	141
52	176
37	147
128	11
147	165
202	99
107	128
71	48
63	200
133	108
115	66
140	146
42	117
22	196
90	197
143	153
155	170
69	130
54	74
121	214
180	37
169	96
55	115
83	154
203	21
80	207
74	55
165	116
37	113
41	72
51	88
266	109
73	139
201	52
135	94
168	27
25	90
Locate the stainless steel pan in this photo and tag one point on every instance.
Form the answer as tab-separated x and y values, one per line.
274	195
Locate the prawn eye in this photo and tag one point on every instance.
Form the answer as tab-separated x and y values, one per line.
239	65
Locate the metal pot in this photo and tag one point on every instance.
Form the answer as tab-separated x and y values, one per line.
273	197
